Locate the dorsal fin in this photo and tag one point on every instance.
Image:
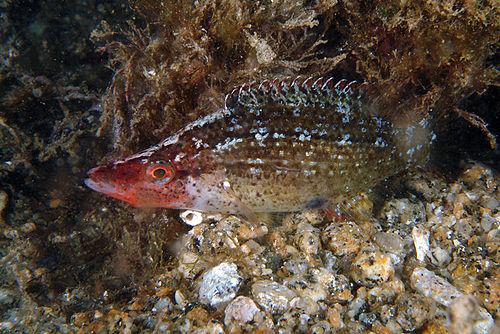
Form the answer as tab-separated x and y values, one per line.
297	91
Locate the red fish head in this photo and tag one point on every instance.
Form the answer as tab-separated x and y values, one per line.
140	182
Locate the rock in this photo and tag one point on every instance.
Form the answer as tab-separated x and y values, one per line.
220	284
305	287
7	297
307	238
392	244
334	316
462	314
343	239
433	286
413	311
241	309
403	211
163	305
478	175
180	299
272	296
357	303
389	242
321	327
371	268
304	305
439	257
386	292
421	241
338	286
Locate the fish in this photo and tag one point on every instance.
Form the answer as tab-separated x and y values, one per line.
278	145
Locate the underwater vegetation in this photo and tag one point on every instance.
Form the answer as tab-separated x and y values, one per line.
84	83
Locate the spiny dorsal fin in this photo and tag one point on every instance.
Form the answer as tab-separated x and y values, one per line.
296	91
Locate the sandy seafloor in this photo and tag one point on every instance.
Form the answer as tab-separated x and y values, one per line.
422	256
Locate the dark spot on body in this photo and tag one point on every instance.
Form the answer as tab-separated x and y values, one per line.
316	202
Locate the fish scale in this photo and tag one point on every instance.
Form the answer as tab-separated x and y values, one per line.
280	145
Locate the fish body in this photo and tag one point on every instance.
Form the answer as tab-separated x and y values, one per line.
276	146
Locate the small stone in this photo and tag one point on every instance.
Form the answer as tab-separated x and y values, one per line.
305	305
439	257
490	202
433	286
214	327
421	241
478	174
343	239
334	316
163	305
371	268
462	314
307	238
488	221
338	286
321	327
7	297
389	242
403	211
357	303
413	311
386	292
241	309
199	314
180	300
272	296
220	284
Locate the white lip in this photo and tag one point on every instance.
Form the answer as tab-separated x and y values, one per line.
102	187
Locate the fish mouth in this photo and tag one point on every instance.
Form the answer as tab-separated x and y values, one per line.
94	182
101	187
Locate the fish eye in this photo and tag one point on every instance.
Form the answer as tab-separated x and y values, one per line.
162	171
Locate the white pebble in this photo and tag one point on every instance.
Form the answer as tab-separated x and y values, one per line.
421	242
220	284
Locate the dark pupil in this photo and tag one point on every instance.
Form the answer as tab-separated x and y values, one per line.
159	173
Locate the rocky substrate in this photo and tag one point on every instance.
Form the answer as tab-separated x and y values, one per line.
426	262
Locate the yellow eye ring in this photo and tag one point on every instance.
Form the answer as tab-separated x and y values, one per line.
162	172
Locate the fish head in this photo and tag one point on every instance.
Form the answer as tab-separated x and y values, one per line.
142	181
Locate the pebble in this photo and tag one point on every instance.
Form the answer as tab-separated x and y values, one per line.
180	299
370	268
343	239
241	309
403	211
321	327
462	314
421	241
441	291
392	244
334	316
439	257
433	286
163	305
272	296
7	297
220	284
306	287
413	311
337	285
307	238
